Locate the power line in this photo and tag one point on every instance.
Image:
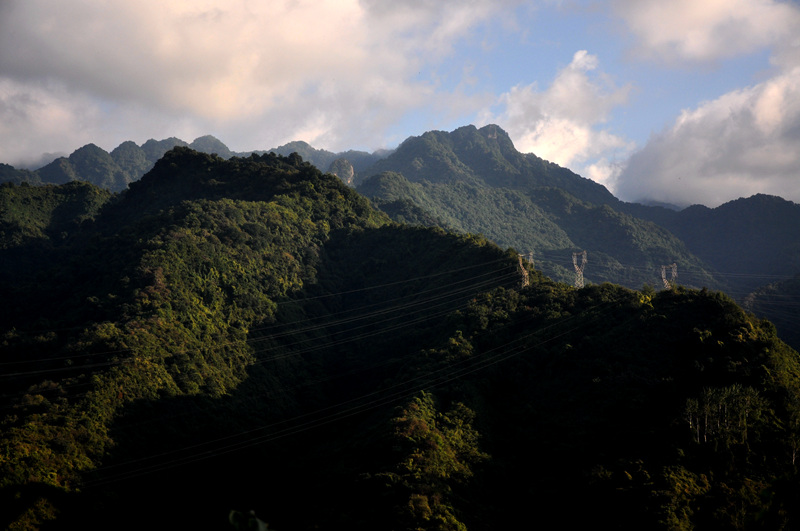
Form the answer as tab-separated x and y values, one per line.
374	399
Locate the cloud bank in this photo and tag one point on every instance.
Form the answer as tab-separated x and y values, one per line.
744	142
332	72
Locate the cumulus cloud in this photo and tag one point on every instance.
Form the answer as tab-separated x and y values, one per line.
261	72
743	143
563	123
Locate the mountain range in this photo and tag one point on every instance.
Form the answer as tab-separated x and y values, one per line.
128	162
231	343
474	180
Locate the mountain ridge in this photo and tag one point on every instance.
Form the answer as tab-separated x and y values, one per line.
474	180
128	162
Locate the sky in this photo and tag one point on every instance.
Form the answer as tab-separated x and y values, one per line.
682	102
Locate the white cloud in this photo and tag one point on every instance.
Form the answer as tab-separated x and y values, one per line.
745	142
561	124
707	30
254	73
39	114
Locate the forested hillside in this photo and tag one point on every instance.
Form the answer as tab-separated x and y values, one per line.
474	180
250	334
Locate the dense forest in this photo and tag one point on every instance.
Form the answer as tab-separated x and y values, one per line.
247	339
474	180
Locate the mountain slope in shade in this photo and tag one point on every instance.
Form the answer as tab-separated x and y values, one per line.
241	335
781	302
752	239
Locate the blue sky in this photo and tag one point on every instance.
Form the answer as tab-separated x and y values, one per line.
682	101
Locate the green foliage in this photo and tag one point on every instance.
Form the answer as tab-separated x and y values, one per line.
723	415
200	274
46	212
438	451
251	333
475	181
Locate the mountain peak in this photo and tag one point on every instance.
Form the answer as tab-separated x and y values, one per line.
483	157
210	144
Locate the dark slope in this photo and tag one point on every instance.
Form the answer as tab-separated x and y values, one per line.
171	293
757	238
779	300
10	174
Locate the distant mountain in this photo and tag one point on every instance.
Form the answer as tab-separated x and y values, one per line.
484	157
155	149
752	240
327	160
210	144
10	174
133	160
474	180
128	162
89	163
113	171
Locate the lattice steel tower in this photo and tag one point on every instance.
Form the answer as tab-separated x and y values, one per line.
579	268
525	281
669	284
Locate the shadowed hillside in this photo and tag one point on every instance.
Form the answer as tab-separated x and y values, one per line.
249	334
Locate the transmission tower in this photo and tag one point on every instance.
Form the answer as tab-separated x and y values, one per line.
579	268
526	281
668	284
524	273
